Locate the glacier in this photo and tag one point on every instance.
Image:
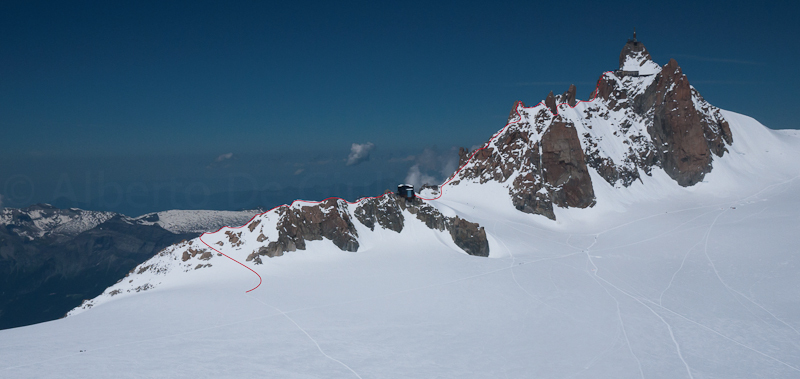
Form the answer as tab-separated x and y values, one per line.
654	281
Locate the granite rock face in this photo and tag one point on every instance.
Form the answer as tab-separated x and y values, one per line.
569	96
469	236
386	212
564	166
676	126
332	220
641	117
329	219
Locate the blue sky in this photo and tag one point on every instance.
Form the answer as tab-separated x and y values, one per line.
148	91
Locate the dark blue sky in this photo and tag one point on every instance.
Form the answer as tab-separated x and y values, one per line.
105	86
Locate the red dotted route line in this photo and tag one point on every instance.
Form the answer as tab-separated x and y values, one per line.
441	187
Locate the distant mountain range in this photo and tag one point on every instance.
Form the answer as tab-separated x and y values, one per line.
52	259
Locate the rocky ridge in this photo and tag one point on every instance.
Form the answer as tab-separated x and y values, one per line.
641	117
289	228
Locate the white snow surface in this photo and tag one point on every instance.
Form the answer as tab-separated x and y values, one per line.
655	281
640	62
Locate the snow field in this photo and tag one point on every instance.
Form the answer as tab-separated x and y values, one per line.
655	281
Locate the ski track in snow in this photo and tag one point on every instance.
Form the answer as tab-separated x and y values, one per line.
514	277
593	274
735	292
603	353
717	333
655	236
677	271
309	337
641	300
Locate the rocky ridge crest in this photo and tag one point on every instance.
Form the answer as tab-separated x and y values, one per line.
290	228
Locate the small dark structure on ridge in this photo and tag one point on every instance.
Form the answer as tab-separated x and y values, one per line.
406	191
633	41
635	46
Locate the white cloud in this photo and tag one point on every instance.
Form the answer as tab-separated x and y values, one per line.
416	178
224	157
359	153
432	167
222	161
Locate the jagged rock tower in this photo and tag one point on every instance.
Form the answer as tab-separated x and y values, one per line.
640	117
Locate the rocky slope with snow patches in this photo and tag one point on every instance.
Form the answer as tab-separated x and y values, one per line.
291	228
641	117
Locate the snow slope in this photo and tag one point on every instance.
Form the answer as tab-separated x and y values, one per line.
655	281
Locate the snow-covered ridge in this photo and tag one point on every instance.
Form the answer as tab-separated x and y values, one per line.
343	226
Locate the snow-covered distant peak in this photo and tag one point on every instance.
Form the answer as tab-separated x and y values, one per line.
43	220
196	221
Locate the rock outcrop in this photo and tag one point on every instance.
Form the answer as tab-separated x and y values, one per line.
676	126
569	96
469	236
550	102
329	219
332	220
386	212
564	166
